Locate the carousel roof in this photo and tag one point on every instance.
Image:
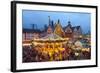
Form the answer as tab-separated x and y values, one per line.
51	38
78	44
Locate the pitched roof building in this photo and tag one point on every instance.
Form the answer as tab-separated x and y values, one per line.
58	29
73	32
68	31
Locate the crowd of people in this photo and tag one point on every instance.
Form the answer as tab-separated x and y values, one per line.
40	54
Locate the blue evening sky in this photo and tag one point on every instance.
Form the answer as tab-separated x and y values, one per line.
40	18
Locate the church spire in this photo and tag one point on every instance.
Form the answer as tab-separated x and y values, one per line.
69	23
58	21
49	19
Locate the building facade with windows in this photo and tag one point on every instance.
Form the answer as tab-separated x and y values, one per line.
67	31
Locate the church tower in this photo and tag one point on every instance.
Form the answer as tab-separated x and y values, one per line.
49	29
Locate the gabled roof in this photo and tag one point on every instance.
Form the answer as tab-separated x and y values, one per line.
69	25
76	27
72	28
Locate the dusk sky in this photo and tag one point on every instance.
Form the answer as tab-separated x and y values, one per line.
40	18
